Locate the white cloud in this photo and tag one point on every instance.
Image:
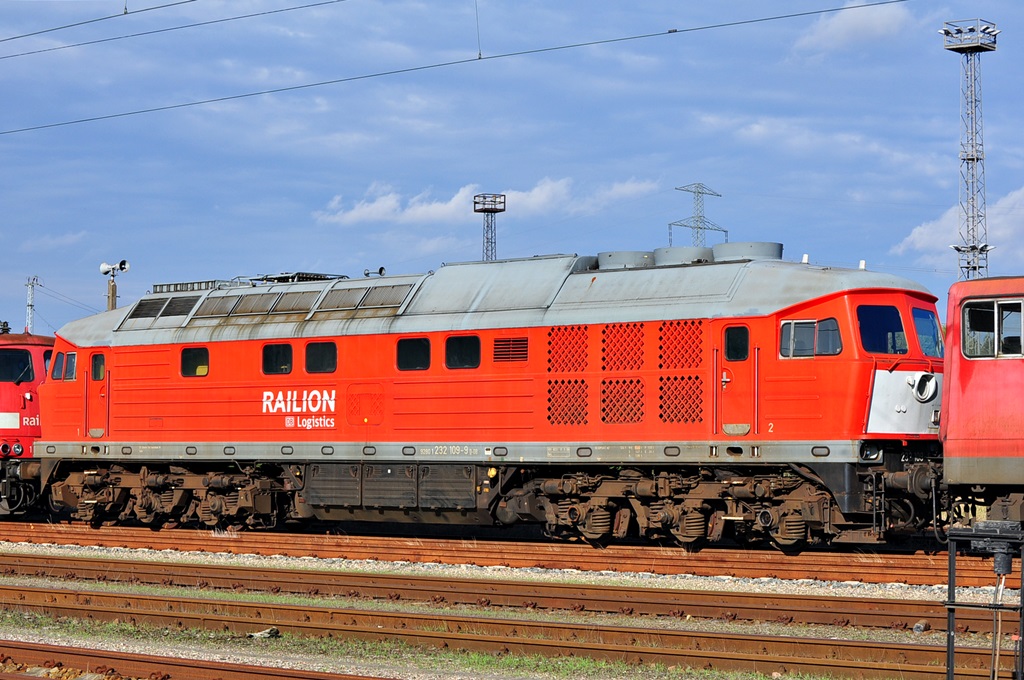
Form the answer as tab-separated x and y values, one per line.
930	241
854	27
382	203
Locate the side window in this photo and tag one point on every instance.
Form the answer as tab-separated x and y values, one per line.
413	354
195	362
1009	328
98	370
277	359
47	356
881	329
737	343
462	351
58	367
929	333
70	365
810	338
827	340
321	357
797	339
978	329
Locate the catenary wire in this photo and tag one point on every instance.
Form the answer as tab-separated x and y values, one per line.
169	29
444	64
93	21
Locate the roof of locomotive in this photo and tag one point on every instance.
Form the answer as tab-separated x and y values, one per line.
9	339
738	279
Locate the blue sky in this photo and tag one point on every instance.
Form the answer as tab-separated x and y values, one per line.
834	133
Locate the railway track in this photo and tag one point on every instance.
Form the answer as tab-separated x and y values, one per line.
634	645
911	568
854	612
21	660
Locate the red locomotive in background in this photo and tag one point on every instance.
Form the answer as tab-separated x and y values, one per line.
24	360
685	393
982	428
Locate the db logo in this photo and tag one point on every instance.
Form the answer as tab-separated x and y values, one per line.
289	421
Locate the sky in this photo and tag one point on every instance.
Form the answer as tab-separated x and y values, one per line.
207	139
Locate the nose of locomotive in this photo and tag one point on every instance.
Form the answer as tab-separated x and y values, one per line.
905	403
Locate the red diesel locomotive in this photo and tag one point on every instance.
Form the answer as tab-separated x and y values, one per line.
24	360
685	393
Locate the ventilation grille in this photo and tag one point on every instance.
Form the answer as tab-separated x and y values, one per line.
148	309
567	349
681	345
255	304
567	402
622	347
680	399
299	302
217	306
510	349
622	401
180	306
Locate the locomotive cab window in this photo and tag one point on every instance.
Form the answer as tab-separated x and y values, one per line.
58	367
992	329
413	354
277	359
16	366
195	362
321	357
737	343
929	332
881	329
810	338
462	351
70	364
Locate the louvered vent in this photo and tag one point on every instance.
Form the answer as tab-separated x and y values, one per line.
342	298
259	303
217	306
180	306
148	309
510	349
296	302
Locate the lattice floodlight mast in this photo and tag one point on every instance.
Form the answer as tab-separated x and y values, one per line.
971	38
698	223
490	205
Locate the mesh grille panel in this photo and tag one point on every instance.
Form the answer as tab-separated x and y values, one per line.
567	402
622	401
567	349
680	399
622	347
682	344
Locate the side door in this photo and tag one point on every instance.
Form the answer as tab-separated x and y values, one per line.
735	382
97	405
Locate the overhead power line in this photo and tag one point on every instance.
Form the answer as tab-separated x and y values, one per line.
169	29
93	21
444	64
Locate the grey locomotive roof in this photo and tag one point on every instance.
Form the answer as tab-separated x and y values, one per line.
742	280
